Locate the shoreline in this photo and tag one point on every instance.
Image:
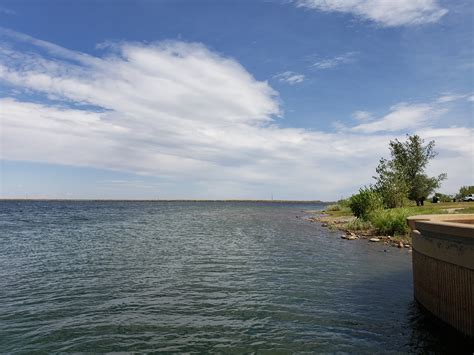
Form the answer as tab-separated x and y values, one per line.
339	223
340	218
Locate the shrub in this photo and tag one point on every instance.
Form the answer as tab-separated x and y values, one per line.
358	225
443	198
365	202
344	202
394	196
336	207
390	222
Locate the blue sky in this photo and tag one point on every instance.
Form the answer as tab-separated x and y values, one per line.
229	99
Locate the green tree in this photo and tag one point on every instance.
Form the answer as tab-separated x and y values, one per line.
464	191
404	175
390	185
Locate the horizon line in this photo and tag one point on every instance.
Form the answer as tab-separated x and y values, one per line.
158	200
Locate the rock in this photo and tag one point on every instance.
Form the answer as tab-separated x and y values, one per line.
349	237
374	239
324	224
400	245
407	245
352	234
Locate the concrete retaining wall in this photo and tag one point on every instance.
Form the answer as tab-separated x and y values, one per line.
443	267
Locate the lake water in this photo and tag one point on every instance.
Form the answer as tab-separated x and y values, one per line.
200	276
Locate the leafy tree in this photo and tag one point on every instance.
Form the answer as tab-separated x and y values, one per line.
365	202
464	191
390	185
404	175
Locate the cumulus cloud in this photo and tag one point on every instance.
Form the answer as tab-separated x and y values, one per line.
384	12
290	77
185	114
330	63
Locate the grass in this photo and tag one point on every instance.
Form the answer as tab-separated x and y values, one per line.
337	210
466	210
439	208
393	221
358	225
428	208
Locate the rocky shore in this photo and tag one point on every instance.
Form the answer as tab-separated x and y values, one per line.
341	223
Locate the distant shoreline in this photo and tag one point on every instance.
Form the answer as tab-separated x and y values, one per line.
164	200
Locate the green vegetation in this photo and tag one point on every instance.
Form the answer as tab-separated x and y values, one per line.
393	221
399	192
464	191
390	221
358	224
442	197
335	207
403	177
365	203
466	210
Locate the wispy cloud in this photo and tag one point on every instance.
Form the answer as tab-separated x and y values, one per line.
362	116
449	98
189	116
336	61
384	12
290	77
6	11
402	117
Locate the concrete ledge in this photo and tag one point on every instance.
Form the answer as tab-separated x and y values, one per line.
443	267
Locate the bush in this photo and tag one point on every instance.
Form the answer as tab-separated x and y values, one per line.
443	198
336	207
390	222
464	191
365	202
394	197
358	225
344	202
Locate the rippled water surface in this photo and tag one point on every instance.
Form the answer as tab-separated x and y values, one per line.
202	276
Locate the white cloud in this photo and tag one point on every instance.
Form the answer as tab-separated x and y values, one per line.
362	116
471	98
402	117
449	98
330	63
290	77
384	12
189	116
